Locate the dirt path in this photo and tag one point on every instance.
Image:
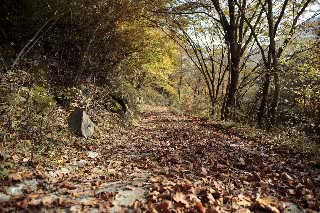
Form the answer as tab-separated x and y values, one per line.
167	163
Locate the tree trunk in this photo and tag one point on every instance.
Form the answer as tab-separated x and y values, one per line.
275	100
264	99
234	79
223	107
179	86
230	101
234	48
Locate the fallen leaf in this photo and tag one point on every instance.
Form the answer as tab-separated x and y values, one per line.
244	203
89	202
47	201
286	176
213	210
179	197
164	206
92	155
267	204
242	161
292	191
200	207
35	202
204	171
156	179
25	160
15	177
136	204
15	158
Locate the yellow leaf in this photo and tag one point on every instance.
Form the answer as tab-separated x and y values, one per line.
76	195
244	203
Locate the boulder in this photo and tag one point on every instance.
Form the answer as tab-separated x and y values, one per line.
80	124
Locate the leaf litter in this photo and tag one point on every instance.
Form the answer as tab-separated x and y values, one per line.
168	163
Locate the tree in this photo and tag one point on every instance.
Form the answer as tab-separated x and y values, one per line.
197	35
300	99
215	27
148	70
274	51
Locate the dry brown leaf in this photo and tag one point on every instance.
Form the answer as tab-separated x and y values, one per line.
164	206
268	204
90	202
28	175
213	210
156	179
47	201
204	171
154	187
244	203
150	207
200	207
136	204
15	177
15	158
243	211
167	182
179	197
291	191
242	161
286	176
34	202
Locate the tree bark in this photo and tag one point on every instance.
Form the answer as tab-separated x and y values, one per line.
233	86
275	99
264	99
234	51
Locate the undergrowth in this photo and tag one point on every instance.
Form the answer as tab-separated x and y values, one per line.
33	118
292	138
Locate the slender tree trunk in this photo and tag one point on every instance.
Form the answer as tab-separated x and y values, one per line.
275	100
230	101
272	69
264	99
234	77
223	107
318	117
179	86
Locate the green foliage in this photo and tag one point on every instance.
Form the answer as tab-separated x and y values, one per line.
27	109
192	104
65	96
41	97
301	91
39	73
149	70
4	169
80	40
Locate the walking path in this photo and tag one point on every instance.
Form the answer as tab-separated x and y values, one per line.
167	163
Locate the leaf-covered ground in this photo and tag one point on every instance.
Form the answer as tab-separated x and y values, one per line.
168	163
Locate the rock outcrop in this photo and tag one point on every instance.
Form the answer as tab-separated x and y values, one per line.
80	124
